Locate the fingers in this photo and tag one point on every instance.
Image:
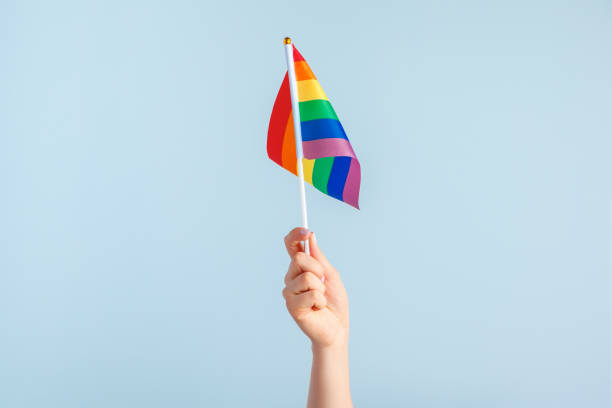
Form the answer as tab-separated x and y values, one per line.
304	289
313	299
303	263
293	240
303	283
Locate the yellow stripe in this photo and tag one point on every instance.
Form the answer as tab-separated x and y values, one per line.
310	89
308	166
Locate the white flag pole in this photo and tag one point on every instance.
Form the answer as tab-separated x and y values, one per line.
297	130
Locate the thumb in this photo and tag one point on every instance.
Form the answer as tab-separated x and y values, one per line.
317	254
315	251
331	274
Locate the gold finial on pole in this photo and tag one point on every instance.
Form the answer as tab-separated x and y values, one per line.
287	40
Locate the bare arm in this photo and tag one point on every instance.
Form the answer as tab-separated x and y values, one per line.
320	308
329	378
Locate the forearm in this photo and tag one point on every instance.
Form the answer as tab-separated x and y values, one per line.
329	378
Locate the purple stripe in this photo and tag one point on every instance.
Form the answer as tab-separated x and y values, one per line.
350	194
315	149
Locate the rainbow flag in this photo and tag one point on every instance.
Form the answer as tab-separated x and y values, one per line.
330	164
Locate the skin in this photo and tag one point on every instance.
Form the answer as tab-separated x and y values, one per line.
317	301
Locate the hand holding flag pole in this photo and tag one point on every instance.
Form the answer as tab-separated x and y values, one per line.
295	107
306	138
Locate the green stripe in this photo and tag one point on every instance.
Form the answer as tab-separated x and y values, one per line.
316	109
320	173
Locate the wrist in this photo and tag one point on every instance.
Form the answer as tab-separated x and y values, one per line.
338	347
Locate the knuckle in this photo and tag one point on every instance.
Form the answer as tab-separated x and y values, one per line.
305	278
299	257
314	281
310	278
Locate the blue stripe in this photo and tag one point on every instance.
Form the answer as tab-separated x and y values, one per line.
337	177
322	129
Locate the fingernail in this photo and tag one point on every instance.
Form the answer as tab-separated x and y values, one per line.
304	231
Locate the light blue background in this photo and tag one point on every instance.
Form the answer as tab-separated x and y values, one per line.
141	223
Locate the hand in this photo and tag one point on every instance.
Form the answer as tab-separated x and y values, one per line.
314	293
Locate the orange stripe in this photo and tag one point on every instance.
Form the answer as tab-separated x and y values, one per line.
289	156
302	71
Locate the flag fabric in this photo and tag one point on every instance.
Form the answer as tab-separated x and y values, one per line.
330	164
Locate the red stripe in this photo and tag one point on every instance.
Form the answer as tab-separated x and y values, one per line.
296	55
278	122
